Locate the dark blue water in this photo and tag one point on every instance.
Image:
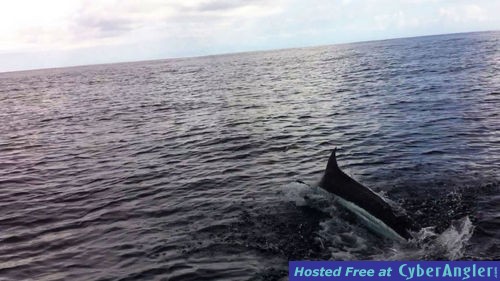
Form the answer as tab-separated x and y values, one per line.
186	169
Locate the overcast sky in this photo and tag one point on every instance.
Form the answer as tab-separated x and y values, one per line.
51	33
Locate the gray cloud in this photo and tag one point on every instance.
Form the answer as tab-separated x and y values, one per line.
115	18
103	27
220	5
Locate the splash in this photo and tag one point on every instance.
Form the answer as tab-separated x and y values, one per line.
429	245
340	234
347	239
456	237
302	195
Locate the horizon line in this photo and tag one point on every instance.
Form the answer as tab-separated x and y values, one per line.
237	52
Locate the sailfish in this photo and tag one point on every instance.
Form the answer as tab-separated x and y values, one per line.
372	209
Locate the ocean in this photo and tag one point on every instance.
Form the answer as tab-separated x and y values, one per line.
206	168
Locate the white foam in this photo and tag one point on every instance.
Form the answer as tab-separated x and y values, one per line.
304	195
350	242
455	238
427	244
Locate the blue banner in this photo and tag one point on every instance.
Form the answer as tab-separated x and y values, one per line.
393	270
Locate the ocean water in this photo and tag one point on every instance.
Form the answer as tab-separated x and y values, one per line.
188	169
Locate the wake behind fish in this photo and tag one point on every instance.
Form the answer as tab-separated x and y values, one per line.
347	238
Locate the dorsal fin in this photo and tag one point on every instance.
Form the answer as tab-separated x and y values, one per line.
331	170
332	162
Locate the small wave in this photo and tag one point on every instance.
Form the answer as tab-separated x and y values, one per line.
434	152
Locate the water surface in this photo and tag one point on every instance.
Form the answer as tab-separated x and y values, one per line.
186	169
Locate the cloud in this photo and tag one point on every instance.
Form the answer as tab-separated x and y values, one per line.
399	20
86	23
464	13
166	28
112	18
221	5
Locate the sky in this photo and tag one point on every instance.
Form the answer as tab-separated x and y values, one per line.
54	33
